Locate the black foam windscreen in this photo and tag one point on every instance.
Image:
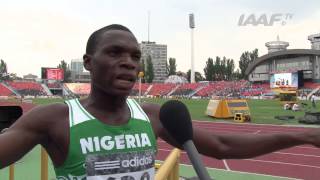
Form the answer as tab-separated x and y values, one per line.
176	119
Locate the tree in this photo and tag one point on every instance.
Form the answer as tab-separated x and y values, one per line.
14	76
197	76
229	69
209	69
223	68
182	74
66	71
245	59
172	66
149	70
237	75
217	69
3	71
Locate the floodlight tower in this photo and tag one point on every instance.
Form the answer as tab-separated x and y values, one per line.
192	26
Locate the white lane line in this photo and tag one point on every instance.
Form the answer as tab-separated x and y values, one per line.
306	147
257	132
295	154
256	160
277	152
254	125
243	172
244	130
277	162
226	165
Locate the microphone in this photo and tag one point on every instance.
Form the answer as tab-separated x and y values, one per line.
176	119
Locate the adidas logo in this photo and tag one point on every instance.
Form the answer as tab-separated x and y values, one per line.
135	162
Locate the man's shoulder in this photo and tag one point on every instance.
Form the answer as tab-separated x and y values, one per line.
42	120
151	108
50	112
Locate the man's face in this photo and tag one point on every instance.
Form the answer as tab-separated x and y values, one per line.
115	64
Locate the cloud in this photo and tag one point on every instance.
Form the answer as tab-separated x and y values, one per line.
220	40
37	34
33	38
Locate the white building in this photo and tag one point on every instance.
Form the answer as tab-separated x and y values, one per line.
77	71
158	53
76	65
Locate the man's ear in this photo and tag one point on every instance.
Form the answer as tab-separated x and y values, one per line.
87	62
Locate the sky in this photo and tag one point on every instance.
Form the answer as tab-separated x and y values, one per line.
37	33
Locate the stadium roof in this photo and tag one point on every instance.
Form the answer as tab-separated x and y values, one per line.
268	56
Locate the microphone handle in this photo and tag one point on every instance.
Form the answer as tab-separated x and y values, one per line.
196	160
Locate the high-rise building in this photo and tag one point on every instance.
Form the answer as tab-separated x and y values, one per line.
158	53
76	65
77	72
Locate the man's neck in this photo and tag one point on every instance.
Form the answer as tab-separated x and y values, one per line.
110	109
101	100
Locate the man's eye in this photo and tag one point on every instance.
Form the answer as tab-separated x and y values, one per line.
113	53
136	57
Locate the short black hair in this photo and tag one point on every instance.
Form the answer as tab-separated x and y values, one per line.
95	36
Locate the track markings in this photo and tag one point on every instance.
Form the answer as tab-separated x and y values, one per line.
226	165
296	154
257	132
242	172
284	163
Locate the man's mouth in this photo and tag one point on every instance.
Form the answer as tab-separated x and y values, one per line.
126	78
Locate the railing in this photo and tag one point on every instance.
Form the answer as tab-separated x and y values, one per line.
169	170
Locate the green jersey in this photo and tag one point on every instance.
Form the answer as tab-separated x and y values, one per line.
99	151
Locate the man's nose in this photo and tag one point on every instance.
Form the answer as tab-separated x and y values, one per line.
127	62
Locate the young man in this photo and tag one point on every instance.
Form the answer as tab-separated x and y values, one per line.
107	135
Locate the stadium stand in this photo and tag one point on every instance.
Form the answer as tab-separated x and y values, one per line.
186	89
161	89
4	91
135	90
242	88
78	88
256	89
207	91
55	85
233	88
27	88
310	85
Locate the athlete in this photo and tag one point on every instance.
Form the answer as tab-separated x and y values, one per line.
107	135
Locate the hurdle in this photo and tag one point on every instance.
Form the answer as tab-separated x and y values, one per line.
11	172
169	170
44	166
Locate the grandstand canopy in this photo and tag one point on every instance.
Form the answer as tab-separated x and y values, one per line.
274	55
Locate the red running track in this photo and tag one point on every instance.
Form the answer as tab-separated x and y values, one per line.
302	162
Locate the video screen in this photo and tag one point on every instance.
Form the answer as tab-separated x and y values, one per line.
52	73
284	80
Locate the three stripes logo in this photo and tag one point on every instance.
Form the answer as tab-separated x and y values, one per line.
104	165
